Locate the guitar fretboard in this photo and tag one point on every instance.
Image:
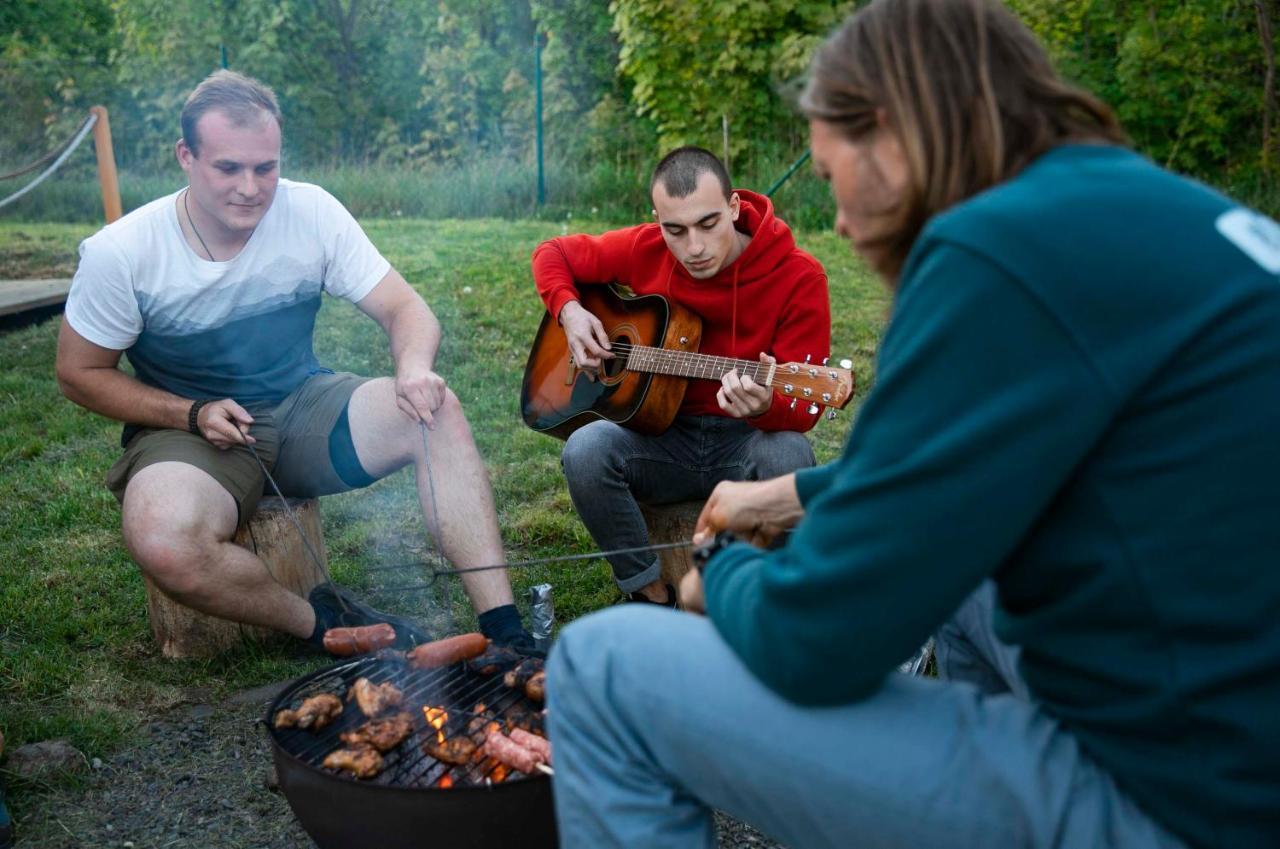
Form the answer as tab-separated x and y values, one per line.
685	364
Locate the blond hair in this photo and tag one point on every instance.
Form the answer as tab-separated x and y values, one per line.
242	99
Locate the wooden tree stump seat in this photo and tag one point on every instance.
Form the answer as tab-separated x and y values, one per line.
672	523
183	632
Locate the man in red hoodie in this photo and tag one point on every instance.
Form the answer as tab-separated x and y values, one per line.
723	255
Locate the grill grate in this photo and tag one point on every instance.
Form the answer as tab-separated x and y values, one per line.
455	688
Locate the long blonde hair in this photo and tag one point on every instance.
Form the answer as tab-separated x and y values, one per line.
966	88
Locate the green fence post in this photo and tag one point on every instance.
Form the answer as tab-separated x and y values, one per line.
539	42
802	160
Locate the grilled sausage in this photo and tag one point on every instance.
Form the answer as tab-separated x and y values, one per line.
344	642
503	749
540	746
449	650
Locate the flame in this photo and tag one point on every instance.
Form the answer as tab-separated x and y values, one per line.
445	781
436	718
499	774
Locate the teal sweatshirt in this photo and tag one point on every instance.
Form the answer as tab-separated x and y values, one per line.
1078	395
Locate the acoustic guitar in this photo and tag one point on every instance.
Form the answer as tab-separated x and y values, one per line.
655	345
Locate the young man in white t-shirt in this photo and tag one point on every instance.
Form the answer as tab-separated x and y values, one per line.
212	292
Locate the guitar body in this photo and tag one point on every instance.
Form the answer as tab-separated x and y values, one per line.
558	398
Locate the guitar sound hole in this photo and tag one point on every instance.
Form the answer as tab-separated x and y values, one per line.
615	367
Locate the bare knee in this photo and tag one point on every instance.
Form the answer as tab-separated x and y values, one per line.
173	543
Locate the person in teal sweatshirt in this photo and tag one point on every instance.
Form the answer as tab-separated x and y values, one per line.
1075	422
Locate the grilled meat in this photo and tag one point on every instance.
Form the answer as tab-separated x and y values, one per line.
315	713
506	751
519	717
522	672
382	734
536	687
450	650
535	743
374	699
360	761
495	659
454	750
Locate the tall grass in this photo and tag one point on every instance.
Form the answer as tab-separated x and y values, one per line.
490	187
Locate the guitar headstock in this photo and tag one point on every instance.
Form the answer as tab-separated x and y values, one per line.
824	384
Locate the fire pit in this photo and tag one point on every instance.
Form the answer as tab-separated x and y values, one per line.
415	800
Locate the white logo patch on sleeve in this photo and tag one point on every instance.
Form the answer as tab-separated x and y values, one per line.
1256	235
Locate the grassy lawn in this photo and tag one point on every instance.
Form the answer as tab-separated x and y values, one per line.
76	655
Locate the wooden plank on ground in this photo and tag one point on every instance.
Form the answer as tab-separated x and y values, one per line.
18	296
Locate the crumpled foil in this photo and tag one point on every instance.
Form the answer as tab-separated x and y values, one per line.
542	615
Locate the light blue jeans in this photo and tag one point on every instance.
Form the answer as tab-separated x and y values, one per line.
609	469
655	721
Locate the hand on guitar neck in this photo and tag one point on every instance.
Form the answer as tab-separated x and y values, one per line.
743	398
588	341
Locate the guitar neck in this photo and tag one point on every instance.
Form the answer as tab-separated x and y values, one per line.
703	366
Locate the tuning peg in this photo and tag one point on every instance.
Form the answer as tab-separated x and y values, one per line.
846	363
793	402
831	414
813	409
824	360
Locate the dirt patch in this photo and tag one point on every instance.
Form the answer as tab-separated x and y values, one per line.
199	776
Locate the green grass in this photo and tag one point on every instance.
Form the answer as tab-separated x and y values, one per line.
491	187
76	656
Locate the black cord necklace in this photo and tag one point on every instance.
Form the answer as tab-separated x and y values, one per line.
192	222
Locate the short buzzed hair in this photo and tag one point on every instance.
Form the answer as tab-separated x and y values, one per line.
242	99
680	169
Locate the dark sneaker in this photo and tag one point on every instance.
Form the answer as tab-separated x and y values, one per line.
337	608
672	598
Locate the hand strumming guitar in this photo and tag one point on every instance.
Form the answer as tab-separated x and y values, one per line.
587	339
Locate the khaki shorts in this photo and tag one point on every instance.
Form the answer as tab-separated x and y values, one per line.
303	441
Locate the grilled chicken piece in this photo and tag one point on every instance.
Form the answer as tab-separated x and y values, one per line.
483	716
315	713
536	687
454	750
374	699
360	761
523	671
519	717
382	734
494	660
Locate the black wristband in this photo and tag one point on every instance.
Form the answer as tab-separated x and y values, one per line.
193	414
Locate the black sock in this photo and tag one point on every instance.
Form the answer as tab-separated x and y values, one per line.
326	618
502	624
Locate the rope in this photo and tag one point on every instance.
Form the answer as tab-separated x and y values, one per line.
67	151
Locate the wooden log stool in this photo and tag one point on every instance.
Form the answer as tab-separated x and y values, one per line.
672	523
183	632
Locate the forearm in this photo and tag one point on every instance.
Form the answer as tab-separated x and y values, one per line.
112	393
414	334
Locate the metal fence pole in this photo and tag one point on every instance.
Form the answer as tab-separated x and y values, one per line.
539	42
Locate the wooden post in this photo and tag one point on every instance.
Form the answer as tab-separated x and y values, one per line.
107	178
183	632
672	523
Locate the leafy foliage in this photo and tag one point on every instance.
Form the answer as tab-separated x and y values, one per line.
407	84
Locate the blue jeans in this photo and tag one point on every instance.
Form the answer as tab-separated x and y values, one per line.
609	469
650	734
